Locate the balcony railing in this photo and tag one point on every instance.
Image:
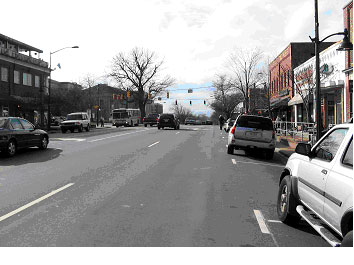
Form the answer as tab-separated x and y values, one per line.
23	57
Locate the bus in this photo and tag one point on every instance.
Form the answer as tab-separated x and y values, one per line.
125	117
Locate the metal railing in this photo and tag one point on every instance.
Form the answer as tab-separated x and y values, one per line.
299	131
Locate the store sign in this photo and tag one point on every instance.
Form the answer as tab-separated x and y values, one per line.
326	69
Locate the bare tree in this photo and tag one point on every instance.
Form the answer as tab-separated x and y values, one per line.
139	71
243	64
225	98
87	82
181	112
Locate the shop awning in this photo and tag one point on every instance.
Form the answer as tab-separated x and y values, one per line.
298	99
279	102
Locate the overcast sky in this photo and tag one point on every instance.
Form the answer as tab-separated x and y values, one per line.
194	38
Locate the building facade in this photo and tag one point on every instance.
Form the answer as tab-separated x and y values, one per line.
332	77
281	76
348	92
153	108
23	80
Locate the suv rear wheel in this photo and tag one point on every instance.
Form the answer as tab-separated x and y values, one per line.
81	128
230	149
88	128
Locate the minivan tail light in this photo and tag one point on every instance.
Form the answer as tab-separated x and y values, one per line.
157	119
233	129
143	119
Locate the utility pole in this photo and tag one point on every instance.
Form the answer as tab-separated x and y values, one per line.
317	66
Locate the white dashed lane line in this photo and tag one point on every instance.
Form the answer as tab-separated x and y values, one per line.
233	161
4	217
263	226
153	144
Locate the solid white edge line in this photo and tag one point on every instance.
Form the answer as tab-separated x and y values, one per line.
2	218
153	144
274	221
117	135
233	161
261	222
264	164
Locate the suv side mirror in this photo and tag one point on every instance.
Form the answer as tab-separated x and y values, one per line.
303	149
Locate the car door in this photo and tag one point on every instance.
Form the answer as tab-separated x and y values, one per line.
33	137
313	172
18	132
339	186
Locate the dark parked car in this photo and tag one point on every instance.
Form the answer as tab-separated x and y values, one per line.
56	120
17	133
168	120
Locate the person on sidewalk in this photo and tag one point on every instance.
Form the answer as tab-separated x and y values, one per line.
221	121
102	121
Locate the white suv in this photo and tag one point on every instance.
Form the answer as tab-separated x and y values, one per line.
77	120
251	132
317	185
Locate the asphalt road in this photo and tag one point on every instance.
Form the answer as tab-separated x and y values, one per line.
143	187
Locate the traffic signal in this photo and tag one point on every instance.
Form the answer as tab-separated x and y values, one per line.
204	102
121	96
149	95
176	101
114	96
190	102
168	94
128	94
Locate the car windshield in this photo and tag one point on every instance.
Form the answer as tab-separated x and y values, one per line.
255	123
74	117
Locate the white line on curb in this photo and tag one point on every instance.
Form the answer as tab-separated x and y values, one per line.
2	218
153	144
233	161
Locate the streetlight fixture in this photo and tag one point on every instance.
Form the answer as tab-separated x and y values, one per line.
345	46
50	79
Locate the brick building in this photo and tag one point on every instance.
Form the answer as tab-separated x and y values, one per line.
281	76
348	91
23	80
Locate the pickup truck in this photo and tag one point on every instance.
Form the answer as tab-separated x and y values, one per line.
151	119
317	185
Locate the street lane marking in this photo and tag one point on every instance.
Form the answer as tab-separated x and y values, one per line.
274	221
233	161
261	223
153	144
117	135
177	132
263	164
263	226
68	139
2	218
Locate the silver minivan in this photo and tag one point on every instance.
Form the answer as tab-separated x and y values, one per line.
252	133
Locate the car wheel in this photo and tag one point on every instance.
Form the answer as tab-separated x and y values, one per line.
269	154
72	130
44	143
63	130
81	128
11	148
145	125
88	128
230	149
158	127
348	240
286	203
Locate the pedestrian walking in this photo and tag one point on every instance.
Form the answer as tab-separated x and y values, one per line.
102	121
221	121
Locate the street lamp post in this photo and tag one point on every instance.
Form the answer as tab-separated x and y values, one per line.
50	79
345	46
